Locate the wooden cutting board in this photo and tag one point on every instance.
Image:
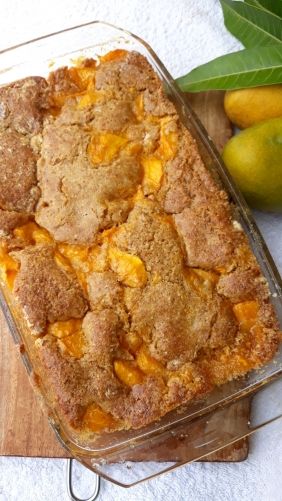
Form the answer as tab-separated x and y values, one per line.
24	430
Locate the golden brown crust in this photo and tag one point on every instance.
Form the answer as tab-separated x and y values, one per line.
77	199
207	235
75	384
102	334
143	404
112	115
153	238
9	220
60	81
157	104
67	378
142	246
22	104
242	285
22	107
18	183
104	290
187	180
130	71
46	292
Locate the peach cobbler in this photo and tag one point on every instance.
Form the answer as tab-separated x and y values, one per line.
136	284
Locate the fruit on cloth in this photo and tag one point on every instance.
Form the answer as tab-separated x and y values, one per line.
254	159
246	107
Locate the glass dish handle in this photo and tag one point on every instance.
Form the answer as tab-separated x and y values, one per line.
71	494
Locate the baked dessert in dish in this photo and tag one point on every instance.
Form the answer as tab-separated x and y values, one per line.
137	286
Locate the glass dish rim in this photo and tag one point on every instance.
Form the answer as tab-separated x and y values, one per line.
245	214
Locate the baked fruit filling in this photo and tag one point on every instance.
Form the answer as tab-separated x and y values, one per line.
119	249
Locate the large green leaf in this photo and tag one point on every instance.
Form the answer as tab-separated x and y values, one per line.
255	3
246	68
274	6
251	25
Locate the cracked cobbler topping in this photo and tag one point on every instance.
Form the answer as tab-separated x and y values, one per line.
139	290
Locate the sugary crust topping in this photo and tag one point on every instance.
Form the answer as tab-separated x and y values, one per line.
156	104
205	231
144	290
71	114
188	183
18	183
78	200
22	104
113	115
200	209
101	330
143	404
9	220
104	290
168	316
242	285
46	292
62	143
67	378
152	237
60	82
130	71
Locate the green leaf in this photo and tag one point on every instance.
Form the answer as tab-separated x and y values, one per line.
255	3
246	68
274	6
251	25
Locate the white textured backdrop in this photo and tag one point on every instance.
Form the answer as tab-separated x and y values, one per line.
184	33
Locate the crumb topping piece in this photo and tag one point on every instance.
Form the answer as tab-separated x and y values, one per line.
22	107
46	292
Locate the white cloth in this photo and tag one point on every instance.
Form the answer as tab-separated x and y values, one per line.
184	33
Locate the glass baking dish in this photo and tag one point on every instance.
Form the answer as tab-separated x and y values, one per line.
204	426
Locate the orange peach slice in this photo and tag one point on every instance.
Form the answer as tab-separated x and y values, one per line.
8	267
113	55
73	344
147	363
246	314
130	269
131	341
153	173
128	373
104	147
33	234
201	280
65	328
97	420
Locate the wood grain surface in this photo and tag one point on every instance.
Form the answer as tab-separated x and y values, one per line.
24	429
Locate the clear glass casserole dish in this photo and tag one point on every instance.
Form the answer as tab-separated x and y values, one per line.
207	425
